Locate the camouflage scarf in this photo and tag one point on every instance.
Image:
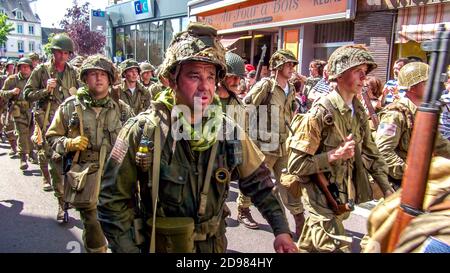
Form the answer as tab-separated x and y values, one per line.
84	95
200	140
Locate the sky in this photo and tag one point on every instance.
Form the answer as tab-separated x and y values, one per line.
52	12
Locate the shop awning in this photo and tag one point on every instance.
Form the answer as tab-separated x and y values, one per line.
420	23
228	42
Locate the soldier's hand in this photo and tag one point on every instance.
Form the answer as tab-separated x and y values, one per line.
51	84
283	244
345	151
79	143
15	91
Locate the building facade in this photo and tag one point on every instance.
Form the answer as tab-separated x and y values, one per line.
143	29
26	36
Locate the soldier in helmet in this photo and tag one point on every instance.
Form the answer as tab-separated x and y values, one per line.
158	86
192	171
77	61
334	138
49	85
101	122
34	57
147	70
227	91
131	91
21	110
276	93
397	121
6	121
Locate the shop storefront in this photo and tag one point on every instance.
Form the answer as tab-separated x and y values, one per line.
312	29
143	29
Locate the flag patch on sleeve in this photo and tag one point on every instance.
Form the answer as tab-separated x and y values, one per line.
119	151
387	129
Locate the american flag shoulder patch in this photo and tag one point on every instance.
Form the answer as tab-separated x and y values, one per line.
119	150
387	129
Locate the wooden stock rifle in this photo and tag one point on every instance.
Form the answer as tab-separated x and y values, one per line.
260	63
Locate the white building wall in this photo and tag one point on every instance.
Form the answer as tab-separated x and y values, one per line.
26	37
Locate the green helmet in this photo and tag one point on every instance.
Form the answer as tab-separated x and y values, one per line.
281	57
347	57
62	42
198	43
413	73
98	62
26	61
10	62
77	61
33	56
235	64
146	66
127	64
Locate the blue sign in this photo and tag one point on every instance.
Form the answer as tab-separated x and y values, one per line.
140	6
98	13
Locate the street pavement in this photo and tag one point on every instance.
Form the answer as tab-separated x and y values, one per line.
27	218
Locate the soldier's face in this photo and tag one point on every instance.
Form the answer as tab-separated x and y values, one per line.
25	70
132	75
146	76
61	56
97	82
352	80
10	69
232	83
287	70
196	81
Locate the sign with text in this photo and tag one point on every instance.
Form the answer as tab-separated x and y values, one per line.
273	12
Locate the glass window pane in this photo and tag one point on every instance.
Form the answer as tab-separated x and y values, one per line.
142	42
156	48
172	27
123	42
184	23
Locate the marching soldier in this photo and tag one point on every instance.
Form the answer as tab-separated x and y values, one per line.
131	91
158	86
6	121
277	92
189	174
334	139
49	85
21	109
227	91
397	122
35	59
147	70
101	124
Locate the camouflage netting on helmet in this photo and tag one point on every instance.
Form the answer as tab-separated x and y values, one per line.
98	62
198	43
33	56
347	57
235	64
146	66
26	61
412	74
281	57
128	64
77	61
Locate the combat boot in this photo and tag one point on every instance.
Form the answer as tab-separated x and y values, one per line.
299	223
23	161
13	150
60	214
46	180
245	217
33	158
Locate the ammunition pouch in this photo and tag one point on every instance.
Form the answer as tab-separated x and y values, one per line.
89	156
207	229
173	234
81	187
15	110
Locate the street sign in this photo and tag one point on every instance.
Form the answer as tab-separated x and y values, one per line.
98	13
97	20
140	6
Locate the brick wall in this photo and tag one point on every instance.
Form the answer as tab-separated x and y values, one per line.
374	29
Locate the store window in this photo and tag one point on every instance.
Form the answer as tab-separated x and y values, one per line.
172	27
123	43
328	37
156	45
142	39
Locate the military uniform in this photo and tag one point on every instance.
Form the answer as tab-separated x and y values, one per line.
144	67
21	112
394	135
36	91
268	92
320	131
101	123
183	166
9	129
156	88
139	100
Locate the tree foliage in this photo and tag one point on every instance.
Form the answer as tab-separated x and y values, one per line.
5	28
76	25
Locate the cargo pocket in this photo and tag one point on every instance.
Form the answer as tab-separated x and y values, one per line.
173	180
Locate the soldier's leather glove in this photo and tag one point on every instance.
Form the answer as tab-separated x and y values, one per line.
143	161
79	143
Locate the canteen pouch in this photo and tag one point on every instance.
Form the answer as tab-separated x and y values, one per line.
173	234
81	187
